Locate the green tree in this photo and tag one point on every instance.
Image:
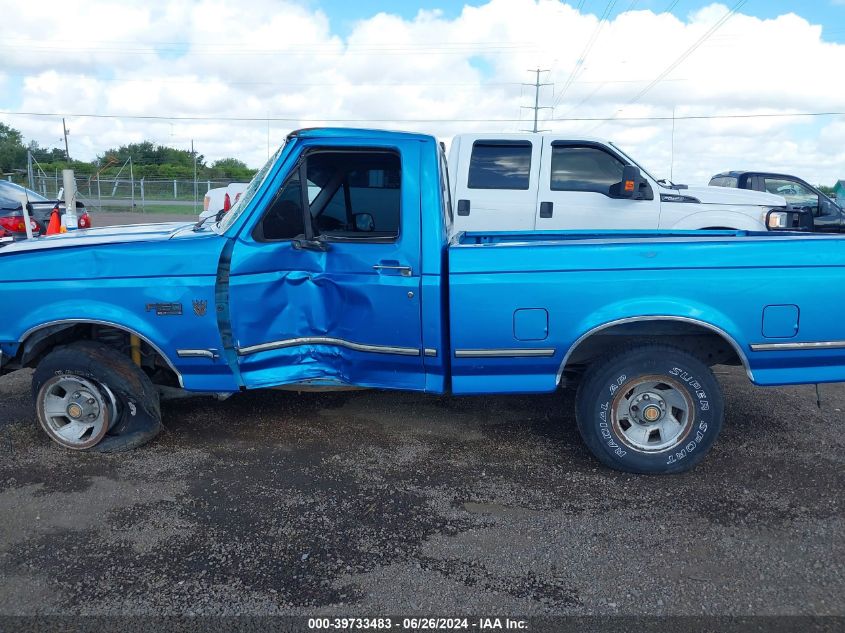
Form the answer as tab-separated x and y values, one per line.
228	163
230	168
12	149
45	155
147	154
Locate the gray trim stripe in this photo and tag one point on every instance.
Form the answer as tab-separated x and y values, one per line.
430	351
512	352
327	340
774	347
196	353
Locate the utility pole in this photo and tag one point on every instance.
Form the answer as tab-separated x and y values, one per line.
30	176
195	174
67	152
132	184
537	107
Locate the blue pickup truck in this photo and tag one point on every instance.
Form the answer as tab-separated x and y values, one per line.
338	267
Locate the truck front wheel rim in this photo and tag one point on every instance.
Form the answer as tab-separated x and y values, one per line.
76	412
652	414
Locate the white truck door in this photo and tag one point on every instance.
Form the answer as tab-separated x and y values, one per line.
579	182
496	181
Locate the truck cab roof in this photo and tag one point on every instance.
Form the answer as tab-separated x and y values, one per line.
532	135
738	173
340	132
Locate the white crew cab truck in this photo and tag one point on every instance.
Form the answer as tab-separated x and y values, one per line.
518	182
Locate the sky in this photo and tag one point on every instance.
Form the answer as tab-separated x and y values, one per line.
679	84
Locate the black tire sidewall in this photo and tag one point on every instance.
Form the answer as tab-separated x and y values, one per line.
138	403
601	385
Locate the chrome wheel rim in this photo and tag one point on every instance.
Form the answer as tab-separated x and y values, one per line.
652	414
76	412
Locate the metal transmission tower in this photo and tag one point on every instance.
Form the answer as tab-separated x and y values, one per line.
537	107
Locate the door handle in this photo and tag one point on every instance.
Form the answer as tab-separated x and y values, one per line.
405	271
546	209
463	207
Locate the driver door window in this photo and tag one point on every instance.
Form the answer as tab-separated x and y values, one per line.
795	193
579	187
360	195
585	169
351	195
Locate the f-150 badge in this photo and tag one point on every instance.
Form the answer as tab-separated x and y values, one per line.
165	309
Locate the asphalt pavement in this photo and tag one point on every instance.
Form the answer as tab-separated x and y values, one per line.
368	503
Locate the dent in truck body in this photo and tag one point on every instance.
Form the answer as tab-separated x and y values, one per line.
331	315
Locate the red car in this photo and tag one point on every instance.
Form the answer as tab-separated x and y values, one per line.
12	220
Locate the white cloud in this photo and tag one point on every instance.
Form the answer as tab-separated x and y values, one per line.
282	59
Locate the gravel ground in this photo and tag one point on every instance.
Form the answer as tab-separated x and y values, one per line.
374	503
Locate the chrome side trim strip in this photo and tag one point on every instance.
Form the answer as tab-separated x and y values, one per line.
513	352
739	351
430	351
327	340
197	353
774	347
32	330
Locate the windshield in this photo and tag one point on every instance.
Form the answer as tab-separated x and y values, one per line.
633	162
17	192
251	189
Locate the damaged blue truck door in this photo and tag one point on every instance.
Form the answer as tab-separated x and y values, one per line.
324	279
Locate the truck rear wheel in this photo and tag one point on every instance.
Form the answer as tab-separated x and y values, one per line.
649	409
91	397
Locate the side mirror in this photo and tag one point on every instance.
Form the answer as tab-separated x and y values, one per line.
826	207
631	179
364	222
789	219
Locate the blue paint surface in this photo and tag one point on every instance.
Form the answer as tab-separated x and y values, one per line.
478	291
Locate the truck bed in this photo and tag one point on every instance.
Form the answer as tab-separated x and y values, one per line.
546	291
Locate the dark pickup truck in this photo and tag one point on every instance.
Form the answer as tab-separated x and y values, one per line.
828	217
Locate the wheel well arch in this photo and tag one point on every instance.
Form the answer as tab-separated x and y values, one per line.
39	340
710	343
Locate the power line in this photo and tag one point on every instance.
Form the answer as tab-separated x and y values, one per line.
290	119
683	56
205	81
579	63
690	50
403	45
192	51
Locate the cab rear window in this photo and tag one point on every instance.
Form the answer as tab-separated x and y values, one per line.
724	181
500	165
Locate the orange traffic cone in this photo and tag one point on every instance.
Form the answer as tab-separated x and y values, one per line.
55	225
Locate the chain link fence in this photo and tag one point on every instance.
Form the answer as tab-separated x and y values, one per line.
131	194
